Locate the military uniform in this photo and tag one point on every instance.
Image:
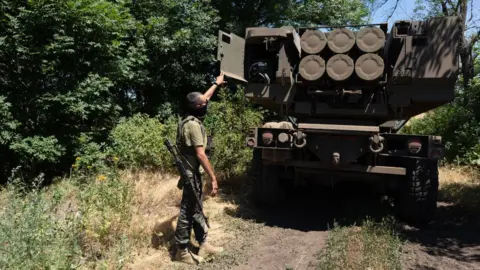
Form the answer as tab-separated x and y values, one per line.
190	134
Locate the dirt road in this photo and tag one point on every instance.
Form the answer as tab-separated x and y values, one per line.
295	232
280	248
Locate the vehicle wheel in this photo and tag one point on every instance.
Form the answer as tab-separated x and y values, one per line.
265	181
416	201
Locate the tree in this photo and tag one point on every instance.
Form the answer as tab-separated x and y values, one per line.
240	14
469	24
63	65
180	37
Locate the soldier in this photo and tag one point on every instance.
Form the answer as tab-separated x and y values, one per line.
192	143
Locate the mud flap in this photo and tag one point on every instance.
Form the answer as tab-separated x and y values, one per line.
230	53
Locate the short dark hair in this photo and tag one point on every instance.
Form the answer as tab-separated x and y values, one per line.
192	99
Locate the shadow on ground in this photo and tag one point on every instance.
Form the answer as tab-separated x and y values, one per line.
454	235
455	232
317	209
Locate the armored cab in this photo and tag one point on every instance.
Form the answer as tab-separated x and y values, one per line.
350	89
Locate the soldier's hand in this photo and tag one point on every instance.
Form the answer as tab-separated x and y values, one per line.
214	188
220	79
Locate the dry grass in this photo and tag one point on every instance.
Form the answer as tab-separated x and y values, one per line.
461	186
458	175
156	206
156	198
127	223
3	200
415	118
155	211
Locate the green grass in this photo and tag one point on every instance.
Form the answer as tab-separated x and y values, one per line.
371	246
37	231
65	225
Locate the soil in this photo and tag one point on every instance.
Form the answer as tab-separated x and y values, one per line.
451	242
280	248
296	232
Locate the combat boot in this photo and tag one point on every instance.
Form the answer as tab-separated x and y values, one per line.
206	249
184	256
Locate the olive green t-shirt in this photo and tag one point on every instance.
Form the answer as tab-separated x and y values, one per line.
192	136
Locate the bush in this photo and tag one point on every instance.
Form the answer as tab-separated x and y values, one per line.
228	121
91	158
138	142
32	233
79	221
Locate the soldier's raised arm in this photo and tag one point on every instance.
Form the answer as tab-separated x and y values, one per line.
220	80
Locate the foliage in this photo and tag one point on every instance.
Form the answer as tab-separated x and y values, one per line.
251	13
78	222
311	13
63	64
77	78
105	204
38	149
33	235
7	123
138	142
180	37
91	157
228	121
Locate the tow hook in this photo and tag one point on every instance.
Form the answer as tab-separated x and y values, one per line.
336	158
376	143
299	140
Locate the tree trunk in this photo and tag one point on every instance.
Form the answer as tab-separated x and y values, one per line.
465	46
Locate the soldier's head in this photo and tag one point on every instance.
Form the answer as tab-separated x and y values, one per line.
196	104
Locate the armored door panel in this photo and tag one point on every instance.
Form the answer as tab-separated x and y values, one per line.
230	53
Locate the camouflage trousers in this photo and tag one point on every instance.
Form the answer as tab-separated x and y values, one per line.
190	216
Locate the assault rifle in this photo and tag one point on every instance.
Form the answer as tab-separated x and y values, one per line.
183	174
